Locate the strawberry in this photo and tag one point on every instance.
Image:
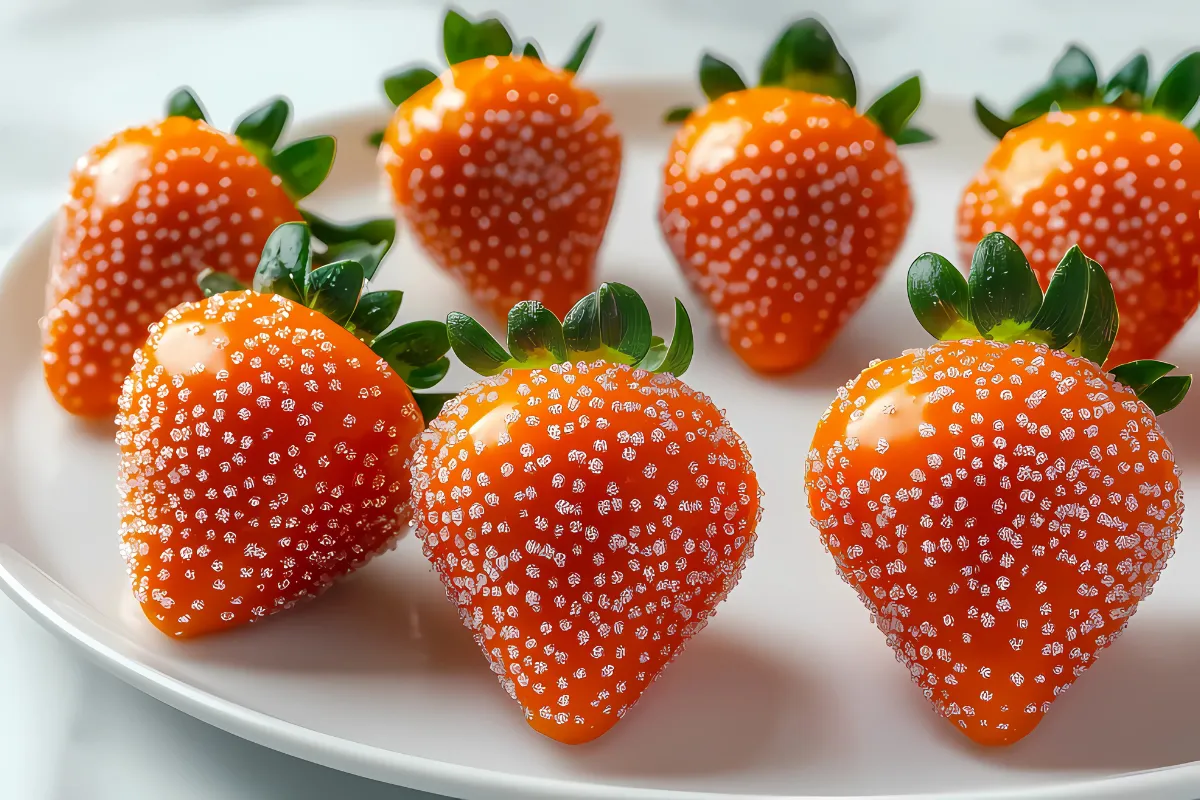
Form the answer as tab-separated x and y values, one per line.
781	203
1111	168
585	508
147	211
504	166
1000	502
263	437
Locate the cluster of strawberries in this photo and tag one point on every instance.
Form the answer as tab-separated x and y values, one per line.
1001	501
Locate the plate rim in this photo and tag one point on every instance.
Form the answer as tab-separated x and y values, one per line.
439	777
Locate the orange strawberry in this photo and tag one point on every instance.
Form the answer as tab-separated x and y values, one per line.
505	167
1111	168
1000	503
263	439
586	509
781	203
148	210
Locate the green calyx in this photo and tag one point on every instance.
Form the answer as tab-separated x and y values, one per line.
334	285
465	39
805	57
1074	83
302	165
1001	300
611	324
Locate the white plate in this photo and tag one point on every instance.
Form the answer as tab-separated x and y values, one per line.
790	692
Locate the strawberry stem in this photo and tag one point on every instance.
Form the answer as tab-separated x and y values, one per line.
183	102
611	323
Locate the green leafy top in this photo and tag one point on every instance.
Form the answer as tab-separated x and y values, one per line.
612	324
1074	83
464	39
335	288
806	57
302	165
1001	299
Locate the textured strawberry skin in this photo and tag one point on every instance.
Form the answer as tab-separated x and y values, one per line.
146	212
1125	187
586	520
263	455
506	170
1001	510
783	208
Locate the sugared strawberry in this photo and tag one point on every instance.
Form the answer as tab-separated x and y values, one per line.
1000	502
586	509
504	166
1111	168
781	203
147	211
263	437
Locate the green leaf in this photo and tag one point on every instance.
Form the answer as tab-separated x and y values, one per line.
1166	393
992	122
1061	314
1180	88
1098	330
535	334
913	135
679	356
423	376
375	229
333	289
581	327
376	311
530	50
304	164
183	102
581	50
718	78
1003	291
805	57
1074	77
265	123
465	39
474	346
415	351
624	321
286	258
938	295
212	282
431	403
1127	87
1138	375
368	254
677	114
895	107
375	138
399	86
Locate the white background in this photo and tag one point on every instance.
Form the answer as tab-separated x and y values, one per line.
74	71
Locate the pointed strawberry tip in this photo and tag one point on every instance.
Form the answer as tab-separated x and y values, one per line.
572	733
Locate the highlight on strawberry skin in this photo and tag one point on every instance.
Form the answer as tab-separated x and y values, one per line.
1000	501
585	508
1113	165
783	204
150	208
263	436
504	166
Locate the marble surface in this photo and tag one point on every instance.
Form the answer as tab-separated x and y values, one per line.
73	71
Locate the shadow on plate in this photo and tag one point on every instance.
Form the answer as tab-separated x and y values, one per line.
725	706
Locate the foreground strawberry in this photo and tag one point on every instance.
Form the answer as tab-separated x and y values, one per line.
999	501
504	166
263	439
585	508
1111	168
148	210
781	203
